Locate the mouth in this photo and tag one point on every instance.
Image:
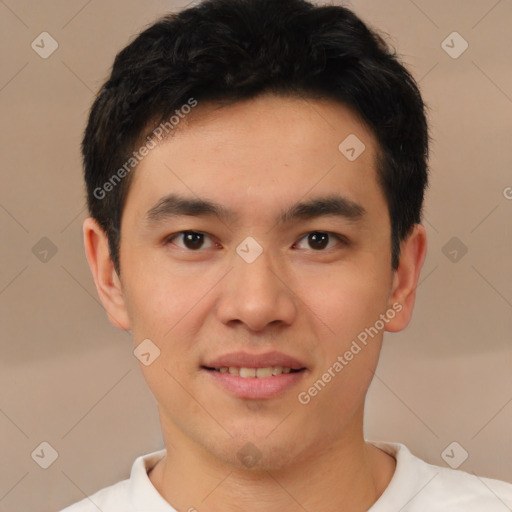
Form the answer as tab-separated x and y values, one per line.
259	373
255	376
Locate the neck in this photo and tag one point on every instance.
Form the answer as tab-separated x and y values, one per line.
349	476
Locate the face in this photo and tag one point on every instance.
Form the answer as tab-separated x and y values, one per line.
274	274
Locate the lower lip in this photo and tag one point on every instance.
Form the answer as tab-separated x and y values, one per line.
254	387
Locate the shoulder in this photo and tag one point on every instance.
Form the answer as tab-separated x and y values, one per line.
109	499
127	495
468	492
418	486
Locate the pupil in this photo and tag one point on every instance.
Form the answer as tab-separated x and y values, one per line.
321	239
193	240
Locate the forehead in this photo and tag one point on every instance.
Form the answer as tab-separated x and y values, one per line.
257	155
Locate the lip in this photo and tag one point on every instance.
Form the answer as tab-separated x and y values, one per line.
247	360
255	388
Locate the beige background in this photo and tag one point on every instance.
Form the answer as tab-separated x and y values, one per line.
69	378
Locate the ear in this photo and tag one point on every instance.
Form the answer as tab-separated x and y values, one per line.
405	278
105	276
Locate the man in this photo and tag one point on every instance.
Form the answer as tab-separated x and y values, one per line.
255	173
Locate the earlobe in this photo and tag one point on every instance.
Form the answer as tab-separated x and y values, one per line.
108	284
405	278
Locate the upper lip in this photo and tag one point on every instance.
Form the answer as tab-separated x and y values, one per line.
247	360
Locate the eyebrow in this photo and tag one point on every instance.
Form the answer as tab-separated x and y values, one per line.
175	205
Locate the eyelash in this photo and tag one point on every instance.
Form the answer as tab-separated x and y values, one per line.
341	238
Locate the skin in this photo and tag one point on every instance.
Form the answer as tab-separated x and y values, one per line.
258	157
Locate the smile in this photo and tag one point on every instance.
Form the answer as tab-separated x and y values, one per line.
260	373
261	383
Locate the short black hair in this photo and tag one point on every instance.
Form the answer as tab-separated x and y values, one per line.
226	51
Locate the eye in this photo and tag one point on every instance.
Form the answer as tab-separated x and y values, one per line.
318	240
192	240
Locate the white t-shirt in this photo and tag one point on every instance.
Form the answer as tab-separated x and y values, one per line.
416	486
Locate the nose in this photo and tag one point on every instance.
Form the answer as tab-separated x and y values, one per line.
256	295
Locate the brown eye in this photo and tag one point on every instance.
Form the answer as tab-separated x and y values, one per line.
319	240
191	240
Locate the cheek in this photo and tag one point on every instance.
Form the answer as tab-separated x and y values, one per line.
349	302
158	302
346	300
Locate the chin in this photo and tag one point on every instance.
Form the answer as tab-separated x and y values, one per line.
261	452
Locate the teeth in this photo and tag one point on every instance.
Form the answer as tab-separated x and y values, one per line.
261	373
247	372
264	372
